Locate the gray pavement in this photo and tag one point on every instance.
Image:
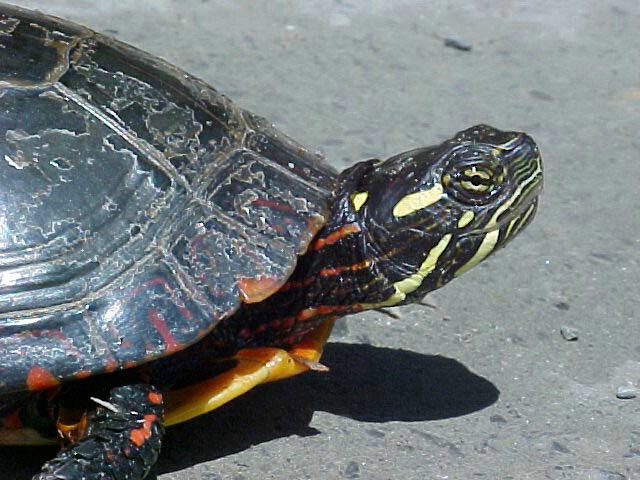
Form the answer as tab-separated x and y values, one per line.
483	386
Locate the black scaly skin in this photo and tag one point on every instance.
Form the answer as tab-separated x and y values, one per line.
107	452
307	287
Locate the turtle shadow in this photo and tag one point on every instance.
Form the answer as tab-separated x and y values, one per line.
365	383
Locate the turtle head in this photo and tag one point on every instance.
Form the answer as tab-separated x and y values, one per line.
432	213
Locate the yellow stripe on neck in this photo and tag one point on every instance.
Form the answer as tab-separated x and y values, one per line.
485	248
465	219
410	284
358	200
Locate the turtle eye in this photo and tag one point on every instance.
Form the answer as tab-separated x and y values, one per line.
476	179
474	183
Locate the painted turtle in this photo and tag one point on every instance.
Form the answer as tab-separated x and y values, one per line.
163	251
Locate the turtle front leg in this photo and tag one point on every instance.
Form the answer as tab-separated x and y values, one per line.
122	441
254	366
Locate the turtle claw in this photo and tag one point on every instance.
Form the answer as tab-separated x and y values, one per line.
310	364
389	313
427	304
107	405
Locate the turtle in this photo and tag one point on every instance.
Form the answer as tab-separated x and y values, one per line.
163	251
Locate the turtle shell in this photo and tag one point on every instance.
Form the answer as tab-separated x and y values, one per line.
138	206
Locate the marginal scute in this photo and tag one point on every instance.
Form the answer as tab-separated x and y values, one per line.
25	39
39	378
256	289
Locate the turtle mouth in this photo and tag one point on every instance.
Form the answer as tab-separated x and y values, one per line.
519	215
516	220
522	213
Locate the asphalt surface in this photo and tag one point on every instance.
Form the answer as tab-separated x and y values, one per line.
484	385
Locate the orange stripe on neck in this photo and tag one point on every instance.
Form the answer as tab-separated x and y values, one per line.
330	271
336	235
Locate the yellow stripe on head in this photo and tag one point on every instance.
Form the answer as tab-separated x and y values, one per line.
416	201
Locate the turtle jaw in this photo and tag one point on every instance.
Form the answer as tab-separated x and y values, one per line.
519	215
520	207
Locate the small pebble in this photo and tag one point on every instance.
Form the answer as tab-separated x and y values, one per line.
627	392
497	419
540	95
458	43
570	334
352	470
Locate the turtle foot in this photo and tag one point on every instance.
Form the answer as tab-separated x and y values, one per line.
122	441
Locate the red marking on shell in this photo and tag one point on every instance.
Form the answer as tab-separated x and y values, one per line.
149	418
40	378
186	313
159	323
110	366
274	204
336	235
82	374
254	290
49	333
